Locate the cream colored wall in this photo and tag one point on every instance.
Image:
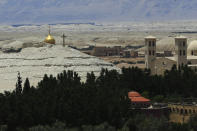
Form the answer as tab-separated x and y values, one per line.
162	64
193	61
181	59
177	118
181	113
189	52
149	59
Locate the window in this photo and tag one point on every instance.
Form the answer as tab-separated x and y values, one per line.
153	52
186	111
181	112
183	43
177	110
149	43
180	52
153	43
183	52
149	52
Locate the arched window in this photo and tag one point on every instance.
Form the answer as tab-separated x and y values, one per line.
183	52
181	112
149	43
153	52
177	110
149	52
183	43
180	52
186	111
153	43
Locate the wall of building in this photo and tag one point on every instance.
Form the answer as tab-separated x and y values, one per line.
181	113
150	53
162	64
106	51
181	51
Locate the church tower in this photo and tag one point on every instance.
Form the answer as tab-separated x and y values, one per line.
181	50
150	53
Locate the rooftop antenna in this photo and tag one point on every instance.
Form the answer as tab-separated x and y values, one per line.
49	30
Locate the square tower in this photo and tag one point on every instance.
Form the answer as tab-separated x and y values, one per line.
150	53
181	51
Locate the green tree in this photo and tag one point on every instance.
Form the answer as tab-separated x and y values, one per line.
26	86
19	84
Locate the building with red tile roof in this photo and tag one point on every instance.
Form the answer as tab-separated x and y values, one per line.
137	100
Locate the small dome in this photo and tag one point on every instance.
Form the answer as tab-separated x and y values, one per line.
166	44
193	45
49	39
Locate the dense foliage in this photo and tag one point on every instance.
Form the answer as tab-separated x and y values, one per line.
100	99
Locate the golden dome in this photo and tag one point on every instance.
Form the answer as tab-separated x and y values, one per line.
49	39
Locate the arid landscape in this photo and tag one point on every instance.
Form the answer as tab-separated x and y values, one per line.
15	39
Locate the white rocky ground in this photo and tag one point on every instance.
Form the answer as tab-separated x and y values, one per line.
34	62
36	59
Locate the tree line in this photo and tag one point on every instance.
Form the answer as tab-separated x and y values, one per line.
99	99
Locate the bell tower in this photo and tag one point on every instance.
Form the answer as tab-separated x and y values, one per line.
150	53
181	51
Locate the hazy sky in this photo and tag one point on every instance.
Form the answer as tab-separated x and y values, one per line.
50	11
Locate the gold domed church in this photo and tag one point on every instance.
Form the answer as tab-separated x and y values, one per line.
49	39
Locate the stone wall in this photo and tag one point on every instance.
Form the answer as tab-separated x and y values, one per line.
181	113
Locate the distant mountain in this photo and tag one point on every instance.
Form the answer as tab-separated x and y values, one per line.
50	11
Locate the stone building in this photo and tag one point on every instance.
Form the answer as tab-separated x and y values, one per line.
181	113
107	51
142	105
137	101
158	65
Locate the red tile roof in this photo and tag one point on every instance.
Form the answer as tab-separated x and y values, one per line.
136	97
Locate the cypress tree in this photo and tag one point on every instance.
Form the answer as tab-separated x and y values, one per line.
19	84
26	86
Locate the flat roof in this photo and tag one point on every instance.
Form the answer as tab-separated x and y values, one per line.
191	57
180	37
150	37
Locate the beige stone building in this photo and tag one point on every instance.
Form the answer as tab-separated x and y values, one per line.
158	65
107	51
181	113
